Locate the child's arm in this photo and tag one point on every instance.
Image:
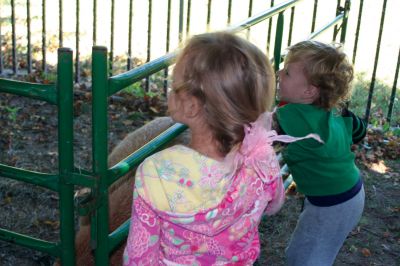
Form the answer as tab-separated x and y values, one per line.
278	196
143	244
359	125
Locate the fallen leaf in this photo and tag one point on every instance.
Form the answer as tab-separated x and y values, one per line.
366	252
395	209
127	122
154	110
54	224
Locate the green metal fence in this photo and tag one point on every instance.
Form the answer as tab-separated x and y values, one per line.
12	58
61	96
100	177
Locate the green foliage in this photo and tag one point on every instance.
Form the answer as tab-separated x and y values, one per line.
380	101
135	116
49	77
396	132
139	91
12	113
136	89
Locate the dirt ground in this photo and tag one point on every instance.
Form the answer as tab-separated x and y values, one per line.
28	139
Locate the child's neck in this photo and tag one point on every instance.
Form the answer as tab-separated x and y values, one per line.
203	142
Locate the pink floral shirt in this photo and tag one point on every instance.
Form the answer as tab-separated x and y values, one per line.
189	209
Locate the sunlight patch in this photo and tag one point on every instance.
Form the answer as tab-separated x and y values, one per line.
379	167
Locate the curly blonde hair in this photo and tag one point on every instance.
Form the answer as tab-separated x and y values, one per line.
327	67
232	77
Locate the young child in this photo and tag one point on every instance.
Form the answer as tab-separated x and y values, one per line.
201	204
315	78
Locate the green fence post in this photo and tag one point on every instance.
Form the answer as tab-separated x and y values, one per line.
77	40
269	30
345	19
373	78
278	41
360	9
28	37
314	17
112	37
44	40
94	35
129	61
60	23
66	157
13	38
393	94
100	153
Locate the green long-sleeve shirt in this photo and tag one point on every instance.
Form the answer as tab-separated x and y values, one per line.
319	169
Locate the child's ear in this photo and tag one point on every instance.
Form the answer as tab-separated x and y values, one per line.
312	92
192	107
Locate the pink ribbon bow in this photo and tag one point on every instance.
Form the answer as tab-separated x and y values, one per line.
256	151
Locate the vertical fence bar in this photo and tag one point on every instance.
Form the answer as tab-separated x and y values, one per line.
292	10
129	61
181	10
14	38
249	13
66	155
314	17
229	12
345	21
188	17
94	22
28	36
99	152
335	29
60	23
209	14
269	29
149	41
77	33
278	41
167	47
44	68
372	84
393	95
112	38
357	30
1	47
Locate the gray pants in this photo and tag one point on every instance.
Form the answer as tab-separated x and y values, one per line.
321	231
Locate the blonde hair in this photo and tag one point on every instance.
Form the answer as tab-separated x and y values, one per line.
231	77
326	67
